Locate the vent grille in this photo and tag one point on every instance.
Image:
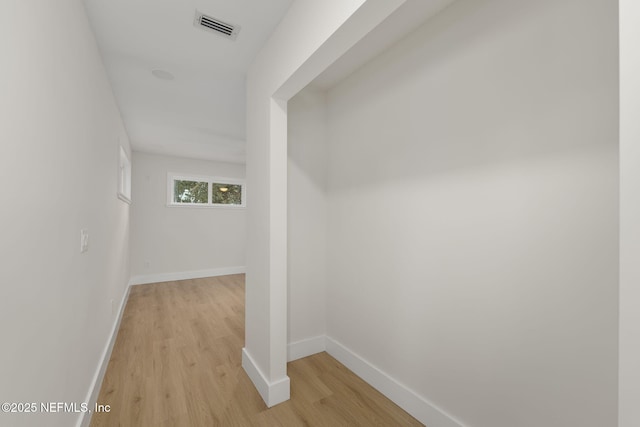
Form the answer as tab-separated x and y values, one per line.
216	26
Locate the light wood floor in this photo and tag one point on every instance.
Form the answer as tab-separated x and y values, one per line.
177	362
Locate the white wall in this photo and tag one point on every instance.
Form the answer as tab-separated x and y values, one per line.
310	37
473	212
629	214
181	240
59	166
307	214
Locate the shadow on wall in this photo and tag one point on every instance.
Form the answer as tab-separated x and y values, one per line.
473	212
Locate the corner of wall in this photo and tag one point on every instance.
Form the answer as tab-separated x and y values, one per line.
307	347
272	393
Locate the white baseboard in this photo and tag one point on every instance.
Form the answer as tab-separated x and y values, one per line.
272	392
96	383
421	409
185	275
307	347
277	392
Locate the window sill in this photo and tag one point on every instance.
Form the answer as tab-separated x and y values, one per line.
203	206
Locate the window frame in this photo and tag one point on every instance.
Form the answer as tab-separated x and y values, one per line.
173	176
124	176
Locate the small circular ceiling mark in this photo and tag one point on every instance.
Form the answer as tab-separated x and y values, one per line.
163	75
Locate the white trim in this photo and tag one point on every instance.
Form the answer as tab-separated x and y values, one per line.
420	408
307	347
124	199
185	275
203	206
96	383
271	392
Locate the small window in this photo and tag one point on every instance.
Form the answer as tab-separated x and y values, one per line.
202	191
124	177
226	194
190	191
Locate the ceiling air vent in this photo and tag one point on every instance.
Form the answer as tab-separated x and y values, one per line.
216	26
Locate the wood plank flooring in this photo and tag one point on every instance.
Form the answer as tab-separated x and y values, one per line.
177	362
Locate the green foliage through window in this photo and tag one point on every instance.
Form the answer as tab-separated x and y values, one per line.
190	192
205	191
226	194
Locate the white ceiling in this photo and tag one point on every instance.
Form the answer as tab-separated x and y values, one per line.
201	112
